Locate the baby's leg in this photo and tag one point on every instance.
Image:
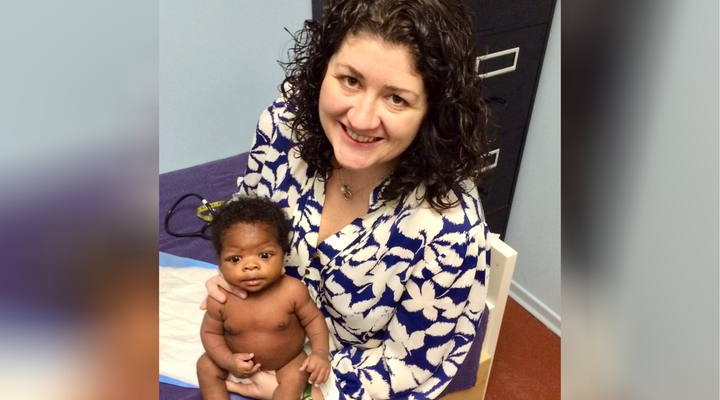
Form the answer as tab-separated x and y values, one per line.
211	379
291	381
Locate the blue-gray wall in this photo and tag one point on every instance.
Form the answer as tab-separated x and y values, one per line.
218	70
534	225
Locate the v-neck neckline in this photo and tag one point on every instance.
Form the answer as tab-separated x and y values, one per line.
340	239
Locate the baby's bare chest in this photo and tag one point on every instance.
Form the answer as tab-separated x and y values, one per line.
243	316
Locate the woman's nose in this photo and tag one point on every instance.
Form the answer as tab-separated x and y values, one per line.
363	114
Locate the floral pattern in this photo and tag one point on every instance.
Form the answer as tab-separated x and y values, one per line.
402	288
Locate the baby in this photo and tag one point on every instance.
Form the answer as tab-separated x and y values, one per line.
267	329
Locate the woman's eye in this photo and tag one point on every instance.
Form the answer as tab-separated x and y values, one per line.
264	256
235	259
350	81
397	100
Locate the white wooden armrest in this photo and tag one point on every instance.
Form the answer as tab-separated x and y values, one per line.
502	267
499	277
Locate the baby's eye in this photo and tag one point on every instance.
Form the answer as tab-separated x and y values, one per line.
235	259
265	256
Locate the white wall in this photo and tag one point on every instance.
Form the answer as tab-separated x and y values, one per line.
218	71
534	224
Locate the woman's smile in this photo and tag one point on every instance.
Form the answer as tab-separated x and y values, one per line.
359	138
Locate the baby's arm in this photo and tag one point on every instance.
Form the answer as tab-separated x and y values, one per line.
311	318
213	340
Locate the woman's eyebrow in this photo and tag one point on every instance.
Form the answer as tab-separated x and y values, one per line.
353	71
390	88
401	90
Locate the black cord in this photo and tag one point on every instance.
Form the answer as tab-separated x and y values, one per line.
200	233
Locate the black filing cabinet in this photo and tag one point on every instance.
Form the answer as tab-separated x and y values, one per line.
511	37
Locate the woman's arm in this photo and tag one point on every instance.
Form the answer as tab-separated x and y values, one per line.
272	137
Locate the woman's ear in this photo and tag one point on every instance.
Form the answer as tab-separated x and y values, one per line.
283	270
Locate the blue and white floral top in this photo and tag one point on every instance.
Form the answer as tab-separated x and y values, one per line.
402	288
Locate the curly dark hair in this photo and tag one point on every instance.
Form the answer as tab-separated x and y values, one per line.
250	210
452	144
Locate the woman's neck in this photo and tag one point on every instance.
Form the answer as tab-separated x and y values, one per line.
360	180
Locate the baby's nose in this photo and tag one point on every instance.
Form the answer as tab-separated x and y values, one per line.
250	266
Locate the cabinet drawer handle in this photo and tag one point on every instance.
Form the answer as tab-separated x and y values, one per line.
494	156
500	71
495	103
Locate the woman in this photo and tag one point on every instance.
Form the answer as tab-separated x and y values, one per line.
374	151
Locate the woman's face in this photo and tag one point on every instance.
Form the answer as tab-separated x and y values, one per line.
372	103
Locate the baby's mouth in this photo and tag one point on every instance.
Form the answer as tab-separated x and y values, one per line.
253	282
359	138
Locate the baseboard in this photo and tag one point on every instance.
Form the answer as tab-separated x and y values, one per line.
535	307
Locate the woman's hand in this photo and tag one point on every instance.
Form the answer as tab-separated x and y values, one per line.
213	286
262	387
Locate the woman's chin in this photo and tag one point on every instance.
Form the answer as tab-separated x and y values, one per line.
354	161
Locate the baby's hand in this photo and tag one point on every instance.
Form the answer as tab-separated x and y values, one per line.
241	365
318	366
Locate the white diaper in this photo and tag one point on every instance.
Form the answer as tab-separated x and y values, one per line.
245	381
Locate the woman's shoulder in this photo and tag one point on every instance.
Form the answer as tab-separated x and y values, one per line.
466	210
274	121
416	223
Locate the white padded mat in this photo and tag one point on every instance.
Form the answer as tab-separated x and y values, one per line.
181	292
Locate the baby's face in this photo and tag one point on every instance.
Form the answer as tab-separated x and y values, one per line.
251	258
